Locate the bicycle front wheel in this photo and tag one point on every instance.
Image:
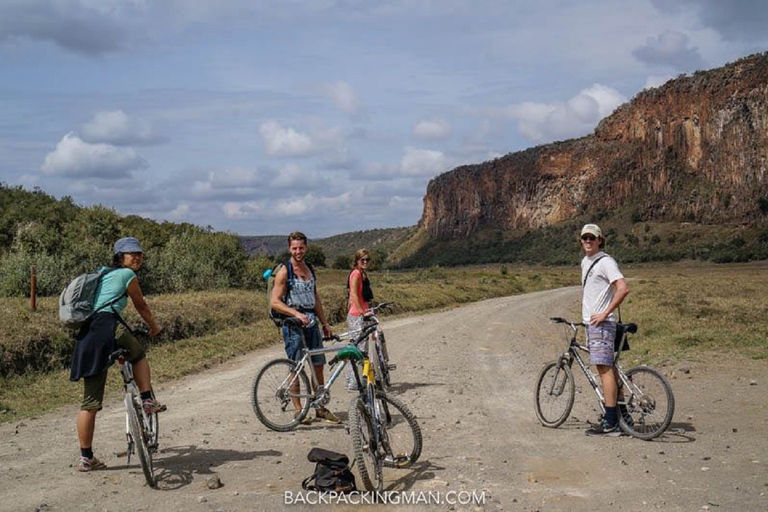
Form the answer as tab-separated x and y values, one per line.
401	434
369	463
280	396
650	404
138	439
554	394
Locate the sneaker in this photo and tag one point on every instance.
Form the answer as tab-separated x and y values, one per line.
604	429
306	421
324	414
152	406
87	464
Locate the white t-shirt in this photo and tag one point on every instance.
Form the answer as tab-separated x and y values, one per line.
598	292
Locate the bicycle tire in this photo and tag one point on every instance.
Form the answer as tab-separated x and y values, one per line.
369	463
272	400
651	404
380	368
138	440
401	433
554	394
153	431
383	355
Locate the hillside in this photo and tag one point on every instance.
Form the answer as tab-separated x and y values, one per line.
345	244
679	171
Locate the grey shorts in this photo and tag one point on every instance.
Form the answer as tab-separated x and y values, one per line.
600	340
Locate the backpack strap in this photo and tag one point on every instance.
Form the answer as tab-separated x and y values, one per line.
590	270
305	484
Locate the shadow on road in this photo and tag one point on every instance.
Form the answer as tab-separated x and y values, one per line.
420	471
177	465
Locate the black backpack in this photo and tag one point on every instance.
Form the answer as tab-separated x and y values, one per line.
332	472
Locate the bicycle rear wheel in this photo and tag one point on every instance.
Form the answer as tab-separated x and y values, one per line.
138	439
369	463
380	366
650	404
401	434
273	400
554	394
383	358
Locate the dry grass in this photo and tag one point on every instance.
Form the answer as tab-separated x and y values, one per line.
682	310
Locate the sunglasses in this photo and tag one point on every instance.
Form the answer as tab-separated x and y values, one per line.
365	260
589	238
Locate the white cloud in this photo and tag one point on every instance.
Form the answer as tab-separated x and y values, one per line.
289	176
116	127
285	142
547	122
344	96
670	48
432	130
73	157
423	162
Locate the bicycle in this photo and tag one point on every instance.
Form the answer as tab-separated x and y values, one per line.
142	430
282	394
380	438
646	402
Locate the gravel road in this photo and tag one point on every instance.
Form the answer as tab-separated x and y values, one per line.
467	373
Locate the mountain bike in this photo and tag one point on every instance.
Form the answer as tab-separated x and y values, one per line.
384	431
282	394
141	429
646	403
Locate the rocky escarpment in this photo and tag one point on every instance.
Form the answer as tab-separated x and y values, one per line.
692	150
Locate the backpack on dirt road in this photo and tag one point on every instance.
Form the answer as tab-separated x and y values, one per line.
332	472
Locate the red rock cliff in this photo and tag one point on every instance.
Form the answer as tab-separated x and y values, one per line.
692	150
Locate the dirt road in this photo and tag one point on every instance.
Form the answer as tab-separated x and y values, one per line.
468	375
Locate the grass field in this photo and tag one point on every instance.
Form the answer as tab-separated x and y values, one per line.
685	310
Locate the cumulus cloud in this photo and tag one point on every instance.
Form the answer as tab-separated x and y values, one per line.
670	48
345	98
285	142
432	130
423	162
76	158
547	122
116	127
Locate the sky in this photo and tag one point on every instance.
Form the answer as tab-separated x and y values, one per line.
262	117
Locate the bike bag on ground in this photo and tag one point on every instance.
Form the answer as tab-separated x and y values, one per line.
332	472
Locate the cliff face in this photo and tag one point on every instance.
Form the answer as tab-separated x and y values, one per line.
692	150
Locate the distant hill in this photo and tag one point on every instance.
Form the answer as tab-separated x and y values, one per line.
271	245
386	240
